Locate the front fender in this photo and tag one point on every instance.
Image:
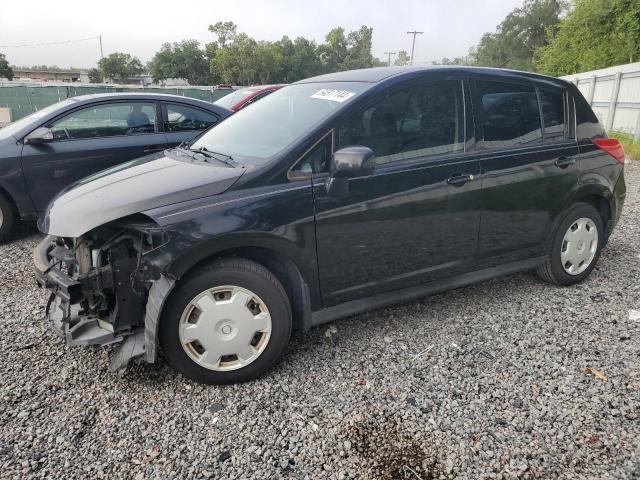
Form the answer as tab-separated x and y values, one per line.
277	218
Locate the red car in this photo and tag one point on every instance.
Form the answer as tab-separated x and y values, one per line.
244	96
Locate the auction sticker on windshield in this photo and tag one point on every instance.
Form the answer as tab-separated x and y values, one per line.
333	95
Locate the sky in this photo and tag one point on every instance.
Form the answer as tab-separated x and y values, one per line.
450	27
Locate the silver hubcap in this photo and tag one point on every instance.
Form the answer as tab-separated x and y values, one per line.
579	246
225	328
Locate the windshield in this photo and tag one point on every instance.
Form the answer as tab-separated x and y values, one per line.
255	134
230	100
18	125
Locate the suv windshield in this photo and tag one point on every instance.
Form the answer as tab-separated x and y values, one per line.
258	133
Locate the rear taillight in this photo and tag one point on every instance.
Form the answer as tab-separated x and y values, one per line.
612	146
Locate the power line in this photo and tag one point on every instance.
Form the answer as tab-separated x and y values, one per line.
389	58
51	43
413	46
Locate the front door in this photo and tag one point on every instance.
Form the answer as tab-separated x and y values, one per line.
86	141
416	219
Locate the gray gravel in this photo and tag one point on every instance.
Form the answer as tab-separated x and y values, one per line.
487	381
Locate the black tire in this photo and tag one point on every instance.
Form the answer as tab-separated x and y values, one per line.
8	217
241	273
552	270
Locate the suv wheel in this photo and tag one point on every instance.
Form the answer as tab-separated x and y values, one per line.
575	246
6	217
229	322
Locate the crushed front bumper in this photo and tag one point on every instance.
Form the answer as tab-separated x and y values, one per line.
64	309
67	316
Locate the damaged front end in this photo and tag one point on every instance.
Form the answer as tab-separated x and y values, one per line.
100	286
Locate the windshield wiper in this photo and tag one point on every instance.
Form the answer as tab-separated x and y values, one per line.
221	157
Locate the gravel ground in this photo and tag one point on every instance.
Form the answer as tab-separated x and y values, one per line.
488	381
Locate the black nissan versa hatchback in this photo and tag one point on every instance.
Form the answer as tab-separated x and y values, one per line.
331	196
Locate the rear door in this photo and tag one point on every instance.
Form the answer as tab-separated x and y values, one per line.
528	153
183	123
416	218
87	140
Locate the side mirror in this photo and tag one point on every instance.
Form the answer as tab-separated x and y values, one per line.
39	135
352	162
349	162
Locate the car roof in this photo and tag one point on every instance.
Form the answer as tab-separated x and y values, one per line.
81	101
379	74
138	96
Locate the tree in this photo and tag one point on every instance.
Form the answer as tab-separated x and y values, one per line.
236	63
595	34
5	69
522	32
95	76
334	51
237	58
402	59
181	60
300	59
359	49
226	32
120	66
466	60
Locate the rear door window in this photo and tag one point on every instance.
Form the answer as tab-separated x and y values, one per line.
510	114
182	118
107	120
419	121
553	115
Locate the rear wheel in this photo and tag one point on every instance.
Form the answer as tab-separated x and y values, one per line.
228	322
575	246
7	217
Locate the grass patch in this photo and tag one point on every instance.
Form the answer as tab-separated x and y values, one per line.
630	148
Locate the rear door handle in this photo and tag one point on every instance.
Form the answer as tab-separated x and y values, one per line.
564	162
460	179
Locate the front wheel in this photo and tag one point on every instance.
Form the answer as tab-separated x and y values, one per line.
575	246
6	217
228	322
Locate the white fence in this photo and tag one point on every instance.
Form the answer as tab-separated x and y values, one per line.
614	94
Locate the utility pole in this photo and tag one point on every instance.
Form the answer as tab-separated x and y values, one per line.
389	57
413	46
101	53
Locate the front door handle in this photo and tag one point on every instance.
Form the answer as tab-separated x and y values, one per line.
460	179
153	148
564	162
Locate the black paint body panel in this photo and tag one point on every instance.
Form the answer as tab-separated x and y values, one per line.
400	228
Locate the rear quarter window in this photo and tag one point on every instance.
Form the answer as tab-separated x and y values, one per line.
553	104
587	124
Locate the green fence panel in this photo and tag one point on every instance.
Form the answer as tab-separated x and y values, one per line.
41	97
17	99
24	100
218	94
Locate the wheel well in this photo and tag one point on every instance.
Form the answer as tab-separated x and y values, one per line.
11	201
284	270
603	207
601	204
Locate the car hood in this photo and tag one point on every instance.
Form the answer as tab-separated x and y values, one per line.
130	188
